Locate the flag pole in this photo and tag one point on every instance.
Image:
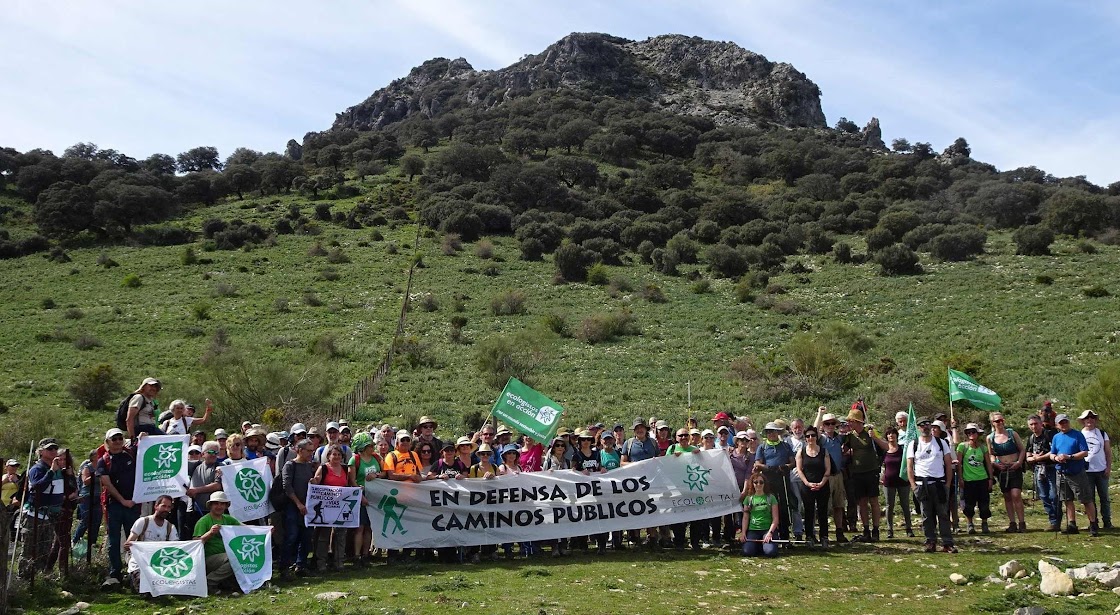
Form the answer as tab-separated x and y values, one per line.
688	394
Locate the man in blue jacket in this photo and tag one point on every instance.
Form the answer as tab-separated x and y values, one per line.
41	508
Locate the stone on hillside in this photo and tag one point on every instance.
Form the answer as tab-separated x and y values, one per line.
958	578
1029	610
329	596
1108	578
873	135
82	606
1022	574
1088	570
1116	590
1008	570
1054	581
70	611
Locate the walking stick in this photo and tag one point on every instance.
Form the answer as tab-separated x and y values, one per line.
89	522
19	513
34	537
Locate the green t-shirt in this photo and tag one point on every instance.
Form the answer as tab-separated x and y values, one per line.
759	509
864	457
213	546
673	448
972	461
610	460
365	467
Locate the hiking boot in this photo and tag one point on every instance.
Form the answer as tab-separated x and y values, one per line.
840	537
1053	527
866	535
971	529
1094	531
949	549
984	527
1011	529
1023	528
824	542
909	533
812	541
930	547
1070	529
875	535
890	533
1107	525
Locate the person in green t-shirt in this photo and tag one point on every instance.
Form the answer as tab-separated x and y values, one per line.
208	528
976	470
694	528
364	466
760	519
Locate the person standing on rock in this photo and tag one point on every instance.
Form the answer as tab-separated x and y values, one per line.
1069	450
930	470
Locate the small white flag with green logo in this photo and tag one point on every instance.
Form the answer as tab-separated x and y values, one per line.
249	550
161	467
247	484
177	568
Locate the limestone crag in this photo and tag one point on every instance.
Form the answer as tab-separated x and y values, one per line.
681	74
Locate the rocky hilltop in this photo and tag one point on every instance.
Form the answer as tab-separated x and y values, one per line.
682	74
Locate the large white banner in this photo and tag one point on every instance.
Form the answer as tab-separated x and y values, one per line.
548	505
247	484
249	549
177	567
161	467
332	506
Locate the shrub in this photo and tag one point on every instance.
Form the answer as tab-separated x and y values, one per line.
413	352
1086	247
620	284
329	274
557	324
103	260
428	302
725	261
193	331
337	256
28	425
1033	240
212	227
532	249
324	345
281	305
842	253
879	238
606	327
1095	291
283	227
1102	394
508	303
744	292
317	249
391	247
1043	279
94	386
323	212
897	259
201	310
312	300
451	245
961	245
224	289
74	314
58	255
501	357
131	281
653	294
86	341
484	249
188	256
47	304
701	287
572	262
598	274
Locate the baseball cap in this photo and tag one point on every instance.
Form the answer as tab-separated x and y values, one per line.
639	422
332	425
151	381
12	462
220	434
298	428
723	428
404	434
608	434
721	416
1061	417
47	443
245	424
828	417
194	448
706	433
742	435
693	432
662	425
112	433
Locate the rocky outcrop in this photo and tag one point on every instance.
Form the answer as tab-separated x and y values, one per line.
873	135
681	74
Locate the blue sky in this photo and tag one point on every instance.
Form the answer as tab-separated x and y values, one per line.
1025	82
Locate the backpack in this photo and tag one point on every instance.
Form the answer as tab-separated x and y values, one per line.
277	496
122	412
144	530
940	445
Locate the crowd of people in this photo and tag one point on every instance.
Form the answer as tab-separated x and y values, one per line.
796	478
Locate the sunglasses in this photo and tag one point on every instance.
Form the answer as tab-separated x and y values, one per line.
709	437
810	435
425	451
970	431
484	454
194	453
830	424
759	482
558	445
682	435
117	439
211	452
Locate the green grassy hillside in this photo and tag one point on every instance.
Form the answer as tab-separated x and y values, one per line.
1036	340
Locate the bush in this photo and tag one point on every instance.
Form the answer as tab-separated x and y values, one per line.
606	327
103	260
324	345
193	331
337	257
725	261
572	262
323	212
532	249
842	253
451	245
1102	394
163	236
1095	291
428	302
897	259
329	274
73	314
47	304
501	357
224	289
201	310
1033	240
316	249
27	425
701	287
484	249
653	294
598	274
95	386
131	281
508	303
879	238
958	246
312	300
1043	279
58	255
413	352
283	227
188	257
391	247
1086	247
557	324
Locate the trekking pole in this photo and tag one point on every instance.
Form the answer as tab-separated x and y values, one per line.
19	513
34	538
89	520
779	541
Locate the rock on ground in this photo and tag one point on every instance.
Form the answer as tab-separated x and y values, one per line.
1029	610
958	579
1054	581
1010	569
1109	578
329	596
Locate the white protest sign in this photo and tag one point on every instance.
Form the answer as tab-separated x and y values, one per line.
332	506
161	467
247	484
249	550
177	567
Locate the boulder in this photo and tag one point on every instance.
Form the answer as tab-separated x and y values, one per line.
1022	574
330	596
1010	569
1087	571
958	579
1029	610
1054	581
873	135
1108	578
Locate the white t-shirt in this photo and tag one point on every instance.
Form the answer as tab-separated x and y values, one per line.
1097	440
177	427
928	457
154	533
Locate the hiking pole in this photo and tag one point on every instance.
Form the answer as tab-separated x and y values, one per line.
89	520
779	541
19	518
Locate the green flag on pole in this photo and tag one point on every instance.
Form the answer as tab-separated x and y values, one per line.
961	386
528	411
910	436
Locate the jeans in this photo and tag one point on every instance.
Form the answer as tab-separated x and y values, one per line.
934	500
297	539
796	503
1098	485
1046	485
754	549
94	526
119	518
